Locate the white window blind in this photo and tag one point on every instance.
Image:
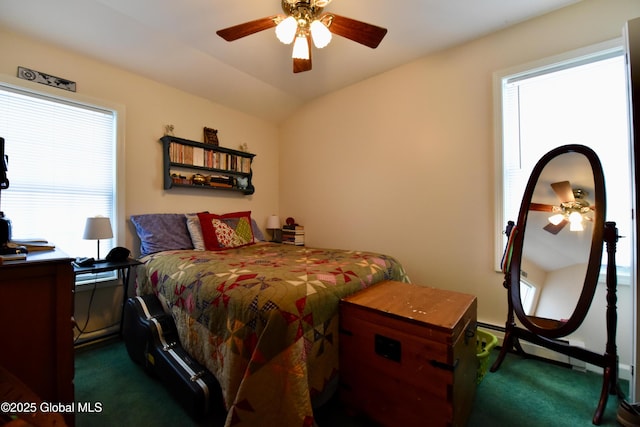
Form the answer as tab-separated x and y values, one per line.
61	168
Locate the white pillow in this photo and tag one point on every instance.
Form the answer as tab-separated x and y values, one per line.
193	225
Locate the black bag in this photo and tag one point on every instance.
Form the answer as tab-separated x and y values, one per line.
152	340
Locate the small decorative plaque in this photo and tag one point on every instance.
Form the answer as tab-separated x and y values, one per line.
46	79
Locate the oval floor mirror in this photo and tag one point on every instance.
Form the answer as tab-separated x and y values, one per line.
558	243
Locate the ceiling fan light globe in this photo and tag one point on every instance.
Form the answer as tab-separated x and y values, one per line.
320	34
286	30
556	219
575	218
576	226
301	48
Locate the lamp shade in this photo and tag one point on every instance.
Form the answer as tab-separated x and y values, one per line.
97	227
273	222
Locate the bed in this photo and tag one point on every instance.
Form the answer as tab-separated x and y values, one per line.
261	316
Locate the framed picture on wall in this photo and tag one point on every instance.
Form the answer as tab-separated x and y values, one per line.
210	136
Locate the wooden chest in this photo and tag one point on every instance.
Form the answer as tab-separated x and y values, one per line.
408	355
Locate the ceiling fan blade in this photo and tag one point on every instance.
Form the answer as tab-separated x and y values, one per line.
242	30
302	65
358	31
564	191
540	207
555	229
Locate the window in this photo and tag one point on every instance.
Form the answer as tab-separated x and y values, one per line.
528	296
578	99
61	169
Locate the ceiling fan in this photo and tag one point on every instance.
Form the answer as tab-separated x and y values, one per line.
571	210
305	23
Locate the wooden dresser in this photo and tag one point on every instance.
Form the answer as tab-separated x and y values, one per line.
408	355
36	314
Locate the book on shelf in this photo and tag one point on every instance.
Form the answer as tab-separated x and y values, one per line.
293	226
246	165
203	157
293	234
220	181
220	185
198	156
297	239
287	242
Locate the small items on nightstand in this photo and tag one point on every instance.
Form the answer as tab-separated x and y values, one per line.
292	233
84	262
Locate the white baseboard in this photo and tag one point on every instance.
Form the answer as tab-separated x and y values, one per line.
97	335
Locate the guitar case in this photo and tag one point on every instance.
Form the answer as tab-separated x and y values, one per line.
151	339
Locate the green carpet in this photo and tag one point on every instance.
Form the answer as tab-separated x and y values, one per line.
524	392
129	396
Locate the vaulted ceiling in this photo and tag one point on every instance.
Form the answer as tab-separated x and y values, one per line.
175	42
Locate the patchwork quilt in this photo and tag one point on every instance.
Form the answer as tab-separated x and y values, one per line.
264	320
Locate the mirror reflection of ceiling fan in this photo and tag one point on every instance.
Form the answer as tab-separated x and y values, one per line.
304	23
572	209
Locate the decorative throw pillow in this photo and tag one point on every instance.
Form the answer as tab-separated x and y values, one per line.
195	231
161	232
238	222
241	226
226	237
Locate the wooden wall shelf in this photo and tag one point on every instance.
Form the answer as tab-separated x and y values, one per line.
206	166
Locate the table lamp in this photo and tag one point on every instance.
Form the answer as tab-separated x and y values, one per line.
96	228
273	224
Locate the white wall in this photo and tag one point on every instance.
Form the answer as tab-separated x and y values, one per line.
562	286
404	162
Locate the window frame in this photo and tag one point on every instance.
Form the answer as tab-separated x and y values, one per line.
118	221
564	60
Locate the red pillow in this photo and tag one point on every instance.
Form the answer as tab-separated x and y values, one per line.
226	231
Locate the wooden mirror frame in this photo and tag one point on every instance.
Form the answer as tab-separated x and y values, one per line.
595	253
603	232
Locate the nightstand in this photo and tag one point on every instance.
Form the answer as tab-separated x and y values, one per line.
408	354
123	268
